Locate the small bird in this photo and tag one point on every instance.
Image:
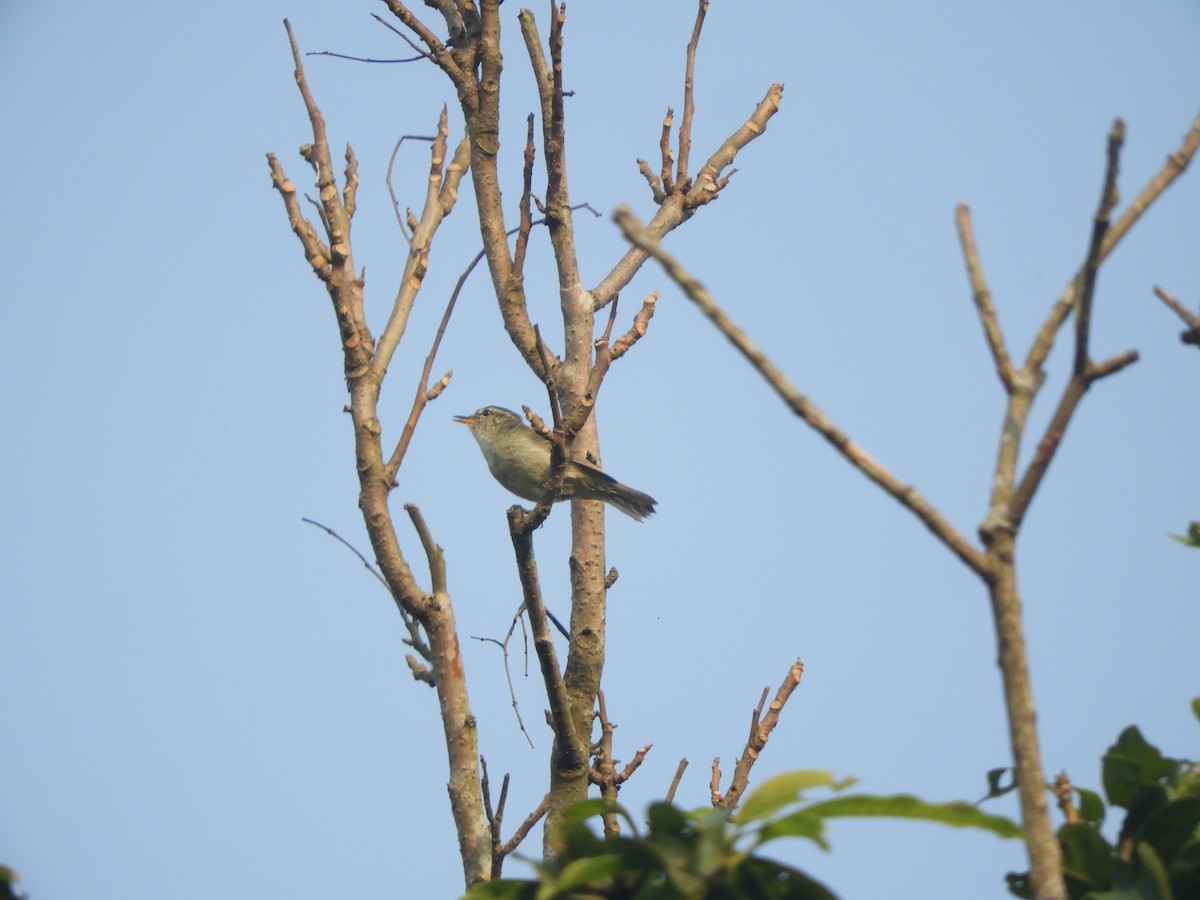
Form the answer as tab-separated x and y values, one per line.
519	459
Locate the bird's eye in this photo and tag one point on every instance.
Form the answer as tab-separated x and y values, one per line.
486	412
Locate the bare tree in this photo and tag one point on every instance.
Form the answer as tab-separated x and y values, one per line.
1012	491
469	57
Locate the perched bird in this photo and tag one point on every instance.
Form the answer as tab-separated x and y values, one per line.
519	459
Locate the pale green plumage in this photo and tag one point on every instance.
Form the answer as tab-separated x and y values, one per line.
519	458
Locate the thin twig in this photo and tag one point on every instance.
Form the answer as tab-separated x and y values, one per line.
414	631
679	770
1175	165
438	53
525	827
525	225
512	693
404	37
388	179
1192	335
1091	266
689	103
364	59
983	297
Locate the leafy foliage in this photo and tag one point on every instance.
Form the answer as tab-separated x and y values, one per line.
1157	854
712	854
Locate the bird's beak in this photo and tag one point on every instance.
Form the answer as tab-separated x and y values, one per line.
465	420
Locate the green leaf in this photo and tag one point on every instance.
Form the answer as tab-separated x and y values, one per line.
1185	871
1131	764
995	788
1153	873
711	843
591	870
682	871
666	819
903	806
572	839
594	806
1196	708
765	879
1088	858
782	790
1170	826
801	823
1091	807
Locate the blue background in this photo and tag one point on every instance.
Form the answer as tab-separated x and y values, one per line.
203	693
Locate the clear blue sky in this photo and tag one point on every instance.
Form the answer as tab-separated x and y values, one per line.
202	693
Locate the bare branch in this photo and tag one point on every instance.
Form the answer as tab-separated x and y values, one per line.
677	207
438	52
365	59
637	331
714	783
760	730
1082	374
566	740
525	827
602	772
503	645
414	630
576	303
525	225
679	770
707	182
404	37
664	149
388	180
417	262
1111	366
983	297
420	672
315	250
656	188
345	289
432	609
1091	266
689	104
424	393
433	553
797	402
1175	165
1192	334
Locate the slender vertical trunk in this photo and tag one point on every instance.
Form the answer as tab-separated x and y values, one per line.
1045	858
